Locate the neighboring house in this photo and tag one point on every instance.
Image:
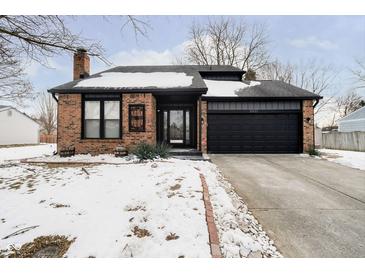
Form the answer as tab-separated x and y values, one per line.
355	121
17	128
187	106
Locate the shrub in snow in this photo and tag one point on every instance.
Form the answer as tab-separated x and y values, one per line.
163	150
145	151
313	151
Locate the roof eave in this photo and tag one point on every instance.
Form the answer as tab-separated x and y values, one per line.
241	98
126	90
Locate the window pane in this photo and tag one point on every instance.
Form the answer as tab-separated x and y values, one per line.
176	126
92	128
92	110
111	110
111	129
187	127
165	126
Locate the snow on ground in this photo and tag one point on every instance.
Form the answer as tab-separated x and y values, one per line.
17	153
348	158
226	88
106	210
240	234
87	158
152	209
138	80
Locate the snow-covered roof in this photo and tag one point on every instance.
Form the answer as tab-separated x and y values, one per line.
138	80
215	81
180	78
356	115
227	88
256	89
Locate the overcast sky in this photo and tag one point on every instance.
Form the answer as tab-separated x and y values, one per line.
334	40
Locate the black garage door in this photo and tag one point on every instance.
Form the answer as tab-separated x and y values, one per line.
253	133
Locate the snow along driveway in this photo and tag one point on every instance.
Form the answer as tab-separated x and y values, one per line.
354	159
152	209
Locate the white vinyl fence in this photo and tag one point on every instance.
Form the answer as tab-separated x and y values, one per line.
354	141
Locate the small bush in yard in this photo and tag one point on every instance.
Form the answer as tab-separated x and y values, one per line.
145	151
314	152
163	150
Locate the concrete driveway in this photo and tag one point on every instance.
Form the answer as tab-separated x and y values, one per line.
309	207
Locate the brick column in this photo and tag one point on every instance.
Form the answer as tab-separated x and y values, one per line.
204	126
69	120
308	125
149	135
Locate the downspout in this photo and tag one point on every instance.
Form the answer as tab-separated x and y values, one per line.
316	103
54	97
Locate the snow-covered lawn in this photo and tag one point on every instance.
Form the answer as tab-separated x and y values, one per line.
352	159
17	153
152	209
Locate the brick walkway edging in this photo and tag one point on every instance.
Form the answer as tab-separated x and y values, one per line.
212	228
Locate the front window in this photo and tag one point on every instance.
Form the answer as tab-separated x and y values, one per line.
92	119
111	119
101	119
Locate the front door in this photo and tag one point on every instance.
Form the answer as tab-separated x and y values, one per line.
176	127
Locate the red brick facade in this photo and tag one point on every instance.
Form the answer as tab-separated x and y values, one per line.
69	125
204	126
308	125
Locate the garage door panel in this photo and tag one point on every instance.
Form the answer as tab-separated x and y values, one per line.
253	133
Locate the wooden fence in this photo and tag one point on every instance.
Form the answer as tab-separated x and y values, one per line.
50	139
354	141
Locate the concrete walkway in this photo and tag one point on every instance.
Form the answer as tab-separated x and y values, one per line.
309	207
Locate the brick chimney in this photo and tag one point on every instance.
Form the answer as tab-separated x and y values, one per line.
81	64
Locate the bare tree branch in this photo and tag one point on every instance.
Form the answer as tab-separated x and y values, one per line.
47	113
37	38
312	75
359	73
349	103
225	42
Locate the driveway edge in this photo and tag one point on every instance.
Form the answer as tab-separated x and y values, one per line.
212	228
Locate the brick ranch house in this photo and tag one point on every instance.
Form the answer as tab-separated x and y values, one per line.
209	108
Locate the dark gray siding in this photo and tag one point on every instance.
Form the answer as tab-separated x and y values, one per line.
257	106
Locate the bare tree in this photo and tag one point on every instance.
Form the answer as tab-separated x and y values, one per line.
225	42
359	72
310	75
13	85
47	113
37	38
276	70
349	103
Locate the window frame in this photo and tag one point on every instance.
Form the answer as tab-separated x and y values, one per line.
101	98
130	106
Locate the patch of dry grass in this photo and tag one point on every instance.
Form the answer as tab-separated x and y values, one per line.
57	205
141	232
54	246
135	208
172	236
175	187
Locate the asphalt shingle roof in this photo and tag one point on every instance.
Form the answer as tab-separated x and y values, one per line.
356	115
267	88
276	88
